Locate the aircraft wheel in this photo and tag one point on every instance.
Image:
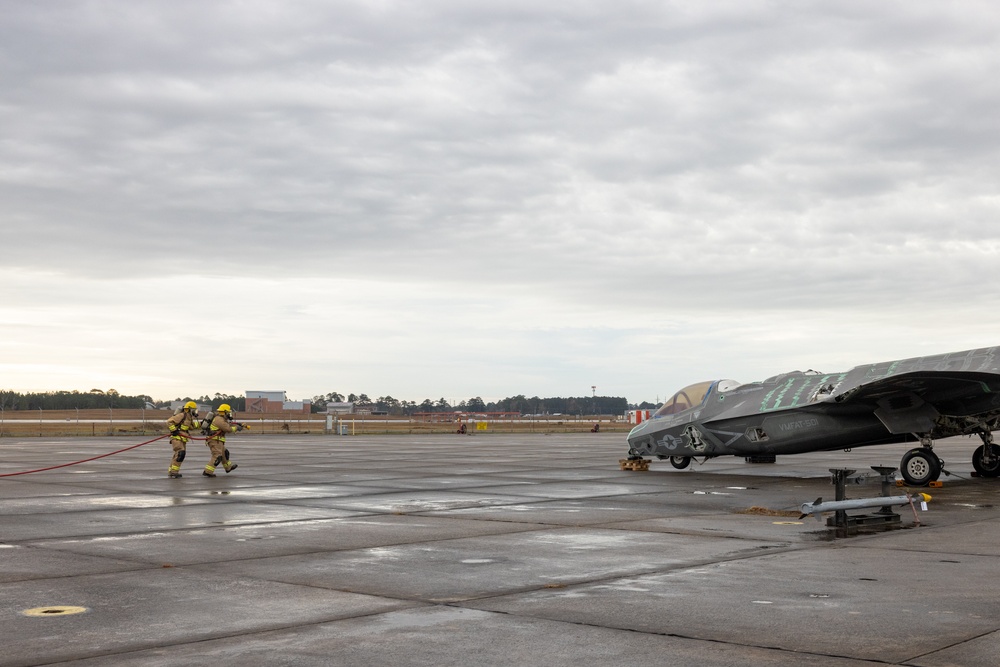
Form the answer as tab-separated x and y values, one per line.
987	467
680	462
920	467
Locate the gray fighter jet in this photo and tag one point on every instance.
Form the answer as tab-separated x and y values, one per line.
918	400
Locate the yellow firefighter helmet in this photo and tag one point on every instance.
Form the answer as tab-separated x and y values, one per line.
224	409
190	405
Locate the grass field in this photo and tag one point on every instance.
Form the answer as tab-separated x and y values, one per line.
53	423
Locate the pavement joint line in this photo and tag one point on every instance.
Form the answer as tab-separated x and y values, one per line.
185	529
939	649
687	532
248	633
537	588
680	567
40	544
699	639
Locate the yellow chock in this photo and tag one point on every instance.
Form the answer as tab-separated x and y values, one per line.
935	485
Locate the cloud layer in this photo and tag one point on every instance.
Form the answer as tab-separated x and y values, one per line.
443	199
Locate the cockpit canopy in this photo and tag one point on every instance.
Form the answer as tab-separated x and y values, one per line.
689	397
692	396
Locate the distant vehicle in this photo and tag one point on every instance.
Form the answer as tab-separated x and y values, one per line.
919	399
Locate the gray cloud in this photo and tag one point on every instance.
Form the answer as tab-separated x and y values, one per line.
641	164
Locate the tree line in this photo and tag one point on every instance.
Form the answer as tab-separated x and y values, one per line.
99	399
520	404
69	400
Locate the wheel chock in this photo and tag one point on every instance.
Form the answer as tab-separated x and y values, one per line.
937	484
638	465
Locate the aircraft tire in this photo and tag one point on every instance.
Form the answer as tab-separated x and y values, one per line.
920	467
990	469
680	462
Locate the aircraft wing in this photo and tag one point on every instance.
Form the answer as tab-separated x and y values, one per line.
911	402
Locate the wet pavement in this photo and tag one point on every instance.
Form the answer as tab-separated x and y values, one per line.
483	549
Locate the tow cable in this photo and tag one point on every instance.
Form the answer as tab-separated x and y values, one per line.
93	458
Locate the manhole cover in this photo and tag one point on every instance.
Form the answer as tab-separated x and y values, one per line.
54	611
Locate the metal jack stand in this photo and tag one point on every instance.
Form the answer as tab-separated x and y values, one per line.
888	481
846	525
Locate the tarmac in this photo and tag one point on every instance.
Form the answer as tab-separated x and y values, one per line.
482	549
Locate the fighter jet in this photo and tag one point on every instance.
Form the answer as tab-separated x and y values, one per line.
909	400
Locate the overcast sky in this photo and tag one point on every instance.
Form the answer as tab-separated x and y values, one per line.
442	199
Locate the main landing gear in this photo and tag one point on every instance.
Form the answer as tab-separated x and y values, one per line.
921	466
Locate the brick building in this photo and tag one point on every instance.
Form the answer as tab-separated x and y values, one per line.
264	402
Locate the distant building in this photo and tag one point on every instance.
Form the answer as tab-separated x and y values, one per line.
264	402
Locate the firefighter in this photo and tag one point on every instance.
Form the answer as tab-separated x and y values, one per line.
216	440
180	424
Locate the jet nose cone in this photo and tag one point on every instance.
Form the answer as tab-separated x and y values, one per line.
637	431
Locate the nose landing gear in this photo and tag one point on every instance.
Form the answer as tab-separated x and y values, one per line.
680	462
986	458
